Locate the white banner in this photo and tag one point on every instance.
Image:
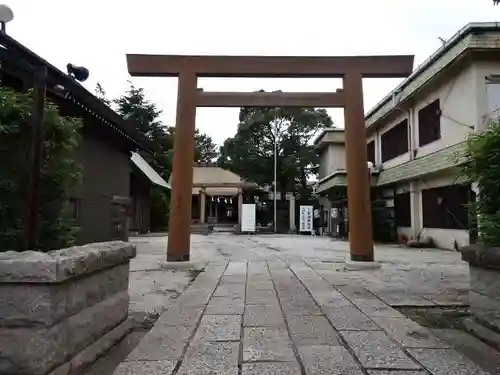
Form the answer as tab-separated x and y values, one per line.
248	217
306	219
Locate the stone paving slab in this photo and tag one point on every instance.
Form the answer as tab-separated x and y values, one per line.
312	330
233	279
396	298
260	285
271	368
376	350
162	343
261	297
226	306
230	290
378	372
181	316
208	358
331	299
219	328
446	362
409	334
263	315
269	306
193	297
376	308
349	318
267	344
328	360
145	367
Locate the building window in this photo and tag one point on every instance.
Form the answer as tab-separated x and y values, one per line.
447	207
402	208
493	93
395	141
370	150
429	123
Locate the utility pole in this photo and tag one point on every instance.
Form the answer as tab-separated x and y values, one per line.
275	134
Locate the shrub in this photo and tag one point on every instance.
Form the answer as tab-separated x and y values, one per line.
483	167
383	225
160	210
60	174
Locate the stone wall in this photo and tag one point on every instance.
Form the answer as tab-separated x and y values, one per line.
59	308
485	296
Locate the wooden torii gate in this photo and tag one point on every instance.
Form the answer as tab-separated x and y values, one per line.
350	68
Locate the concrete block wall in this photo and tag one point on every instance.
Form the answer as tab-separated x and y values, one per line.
57	305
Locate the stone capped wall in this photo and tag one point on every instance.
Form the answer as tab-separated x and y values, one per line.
485	295
59	308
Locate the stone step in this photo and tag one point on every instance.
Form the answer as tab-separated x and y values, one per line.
224	227
202	228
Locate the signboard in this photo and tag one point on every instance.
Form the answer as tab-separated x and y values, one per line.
306	219
248	217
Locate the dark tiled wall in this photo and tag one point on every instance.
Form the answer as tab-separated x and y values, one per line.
106	174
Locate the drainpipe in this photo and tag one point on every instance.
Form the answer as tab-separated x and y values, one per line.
378	148
415	205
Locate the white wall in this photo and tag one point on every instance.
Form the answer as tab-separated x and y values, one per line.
323	163
457	99
405	231
332	159
337	157
481	70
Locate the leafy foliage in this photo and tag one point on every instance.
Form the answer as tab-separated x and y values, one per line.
133	105
206	150
382	222
483	167
250	153
60	174
100	93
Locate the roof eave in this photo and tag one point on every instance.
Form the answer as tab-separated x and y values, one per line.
456	38
80	94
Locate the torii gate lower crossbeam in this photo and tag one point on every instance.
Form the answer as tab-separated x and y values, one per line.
351	69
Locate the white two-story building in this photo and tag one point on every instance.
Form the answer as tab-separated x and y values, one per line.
415	136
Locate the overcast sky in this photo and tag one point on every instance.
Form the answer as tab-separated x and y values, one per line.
98	34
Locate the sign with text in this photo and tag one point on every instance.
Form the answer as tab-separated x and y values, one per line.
306	219
248	217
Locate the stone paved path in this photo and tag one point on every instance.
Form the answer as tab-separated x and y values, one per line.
259	314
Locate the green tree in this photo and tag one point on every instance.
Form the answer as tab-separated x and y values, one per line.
482	166
101	94
134	106
60	173
206	150
250	153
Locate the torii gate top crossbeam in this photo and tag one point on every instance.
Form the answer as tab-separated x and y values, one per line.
398	66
